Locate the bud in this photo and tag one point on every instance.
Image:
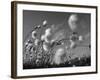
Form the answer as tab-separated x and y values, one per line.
39	26
34	34
44	23
36	42
80	38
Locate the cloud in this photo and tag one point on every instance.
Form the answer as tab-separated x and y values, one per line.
46	35
58	35
46	39
72	21
57	57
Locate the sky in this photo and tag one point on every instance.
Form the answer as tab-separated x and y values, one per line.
58	19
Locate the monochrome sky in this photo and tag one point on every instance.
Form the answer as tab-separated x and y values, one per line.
59	19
